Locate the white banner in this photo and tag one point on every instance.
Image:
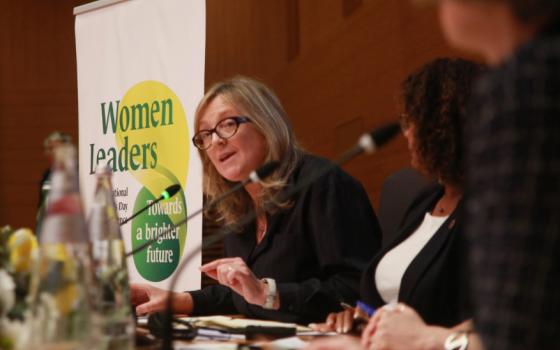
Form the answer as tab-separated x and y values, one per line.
140	77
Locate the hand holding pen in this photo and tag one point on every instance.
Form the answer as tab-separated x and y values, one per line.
351	320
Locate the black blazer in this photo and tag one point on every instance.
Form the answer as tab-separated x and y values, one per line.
435	282
316	250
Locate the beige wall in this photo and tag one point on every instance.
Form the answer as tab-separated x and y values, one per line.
335	64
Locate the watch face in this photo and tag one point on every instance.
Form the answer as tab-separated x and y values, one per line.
457	341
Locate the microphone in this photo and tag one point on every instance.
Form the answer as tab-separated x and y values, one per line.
263	172
166	194
368	143
171	191
372	141
254	177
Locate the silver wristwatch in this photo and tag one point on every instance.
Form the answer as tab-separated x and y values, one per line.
271	292
457	341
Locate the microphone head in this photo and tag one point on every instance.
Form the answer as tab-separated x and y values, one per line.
264	171
170	191
378	137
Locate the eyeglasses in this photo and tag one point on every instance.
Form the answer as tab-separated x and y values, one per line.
225	129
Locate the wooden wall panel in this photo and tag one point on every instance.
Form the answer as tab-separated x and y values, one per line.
248	37
319	21
350	69
37	96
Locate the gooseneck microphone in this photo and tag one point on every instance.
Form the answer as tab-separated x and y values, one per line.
368	143
255	176
166	194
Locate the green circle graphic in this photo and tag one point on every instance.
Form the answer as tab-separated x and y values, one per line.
160	259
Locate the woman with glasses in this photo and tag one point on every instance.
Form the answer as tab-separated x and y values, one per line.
302	256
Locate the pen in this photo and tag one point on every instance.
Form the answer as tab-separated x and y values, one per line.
360	317
365	307
360	305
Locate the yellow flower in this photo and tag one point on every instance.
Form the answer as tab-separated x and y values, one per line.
58	252
66	299
22	245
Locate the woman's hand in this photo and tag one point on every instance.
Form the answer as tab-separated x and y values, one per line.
400	327
335	343
340	322
149	299
234	273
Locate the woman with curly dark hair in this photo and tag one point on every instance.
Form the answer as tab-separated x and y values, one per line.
434	99
422	267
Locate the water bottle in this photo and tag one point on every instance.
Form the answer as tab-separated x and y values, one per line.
43	204
112	303
61	280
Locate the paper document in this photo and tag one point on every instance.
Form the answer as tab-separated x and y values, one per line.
217	335
206	346
227	322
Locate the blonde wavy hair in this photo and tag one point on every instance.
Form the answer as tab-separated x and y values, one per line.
259	103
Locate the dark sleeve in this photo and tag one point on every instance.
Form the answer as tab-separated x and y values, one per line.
344	234
513	209
211	300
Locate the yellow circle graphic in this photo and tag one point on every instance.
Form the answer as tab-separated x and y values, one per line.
152	134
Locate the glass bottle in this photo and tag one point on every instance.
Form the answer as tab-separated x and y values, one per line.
43	203
62	278
112	302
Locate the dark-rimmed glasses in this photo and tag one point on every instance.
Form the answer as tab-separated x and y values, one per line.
225	129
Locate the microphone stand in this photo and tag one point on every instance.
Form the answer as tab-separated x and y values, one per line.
166	194
218	199
255	176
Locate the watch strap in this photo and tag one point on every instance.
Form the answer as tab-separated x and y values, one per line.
271	293
457	341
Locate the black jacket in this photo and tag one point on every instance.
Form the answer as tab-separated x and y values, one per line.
316	250
435	282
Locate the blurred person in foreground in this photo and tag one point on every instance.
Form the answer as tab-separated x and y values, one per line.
513	168
301	257
424	266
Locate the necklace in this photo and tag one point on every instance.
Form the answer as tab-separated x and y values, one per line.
439	210
444	206
261	228
447	203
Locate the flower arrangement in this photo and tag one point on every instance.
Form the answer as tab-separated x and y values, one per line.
18	251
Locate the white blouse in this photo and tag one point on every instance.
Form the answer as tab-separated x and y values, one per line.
393	265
